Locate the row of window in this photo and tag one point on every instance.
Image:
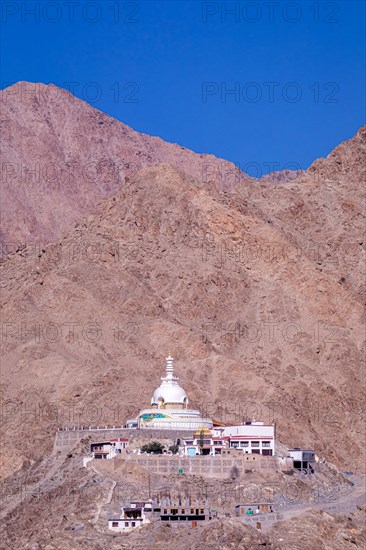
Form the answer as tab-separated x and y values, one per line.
236	444
174	511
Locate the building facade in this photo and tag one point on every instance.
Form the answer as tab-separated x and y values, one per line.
304	459
108	449
251	437
254	508
183	509
132	516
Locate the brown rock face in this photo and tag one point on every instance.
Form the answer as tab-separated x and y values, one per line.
60	157
227	280
256	288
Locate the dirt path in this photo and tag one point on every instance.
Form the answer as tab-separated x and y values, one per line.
101	504
343	505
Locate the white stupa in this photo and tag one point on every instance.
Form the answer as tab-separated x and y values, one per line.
169	407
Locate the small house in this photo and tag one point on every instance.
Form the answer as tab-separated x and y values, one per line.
108	449
132	516
251	509
303	459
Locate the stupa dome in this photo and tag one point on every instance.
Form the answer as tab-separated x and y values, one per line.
169	391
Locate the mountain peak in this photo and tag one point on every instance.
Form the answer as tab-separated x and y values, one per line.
61	157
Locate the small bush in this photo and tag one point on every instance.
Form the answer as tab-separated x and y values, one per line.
154	447
174	449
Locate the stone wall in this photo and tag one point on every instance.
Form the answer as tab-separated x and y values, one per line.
67	439
219	467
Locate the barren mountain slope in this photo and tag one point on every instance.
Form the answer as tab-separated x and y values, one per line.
89	319
322	212
60	157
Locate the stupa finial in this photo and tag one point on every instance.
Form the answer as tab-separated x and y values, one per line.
169	364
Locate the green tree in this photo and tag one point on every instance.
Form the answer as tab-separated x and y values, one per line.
174	449
153	447
201	443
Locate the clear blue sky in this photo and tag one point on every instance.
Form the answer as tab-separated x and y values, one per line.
297	68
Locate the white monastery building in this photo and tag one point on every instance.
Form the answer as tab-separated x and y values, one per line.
169	407
251	437
169	411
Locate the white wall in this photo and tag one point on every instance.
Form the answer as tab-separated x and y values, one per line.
252	430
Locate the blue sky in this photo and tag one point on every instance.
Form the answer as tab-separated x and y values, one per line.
295	69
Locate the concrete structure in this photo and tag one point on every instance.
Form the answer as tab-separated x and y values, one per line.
108	449
203	443
169	407
181	510
67	438
253	437
132	516
250	437
304	459
219	466
254	508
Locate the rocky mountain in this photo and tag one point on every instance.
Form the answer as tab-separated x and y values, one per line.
60	157
137	247
261	322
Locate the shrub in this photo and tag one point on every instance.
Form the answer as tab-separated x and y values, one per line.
154	447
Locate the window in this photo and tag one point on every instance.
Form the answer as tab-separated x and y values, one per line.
114	523
192	510
244	443
127	523
174	511
133	524
254	443
183	510
202	511
234	444
165	511
266	443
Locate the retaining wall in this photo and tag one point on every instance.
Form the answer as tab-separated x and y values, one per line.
219	466
68	438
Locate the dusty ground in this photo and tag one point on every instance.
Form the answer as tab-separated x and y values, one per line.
56	504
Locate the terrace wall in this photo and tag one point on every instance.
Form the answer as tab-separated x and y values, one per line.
203	466
67	439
